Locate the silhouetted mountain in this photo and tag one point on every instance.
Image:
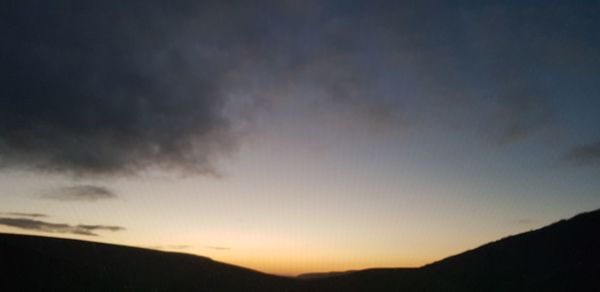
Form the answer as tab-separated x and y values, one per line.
564	256
33	263
310	276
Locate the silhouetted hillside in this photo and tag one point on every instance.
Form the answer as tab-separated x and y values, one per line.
310	276
564	256
51	264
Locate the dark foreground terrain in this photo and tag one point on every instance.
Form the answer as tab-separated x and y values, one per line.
564	256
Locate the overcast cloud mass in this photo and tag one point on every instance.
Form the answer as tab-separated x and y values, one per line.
113	87
107	87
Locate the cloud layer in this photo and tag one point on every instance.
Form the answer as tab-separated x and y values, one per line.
106	88
221	248
117	87
88	193
30	215
588	154
43	226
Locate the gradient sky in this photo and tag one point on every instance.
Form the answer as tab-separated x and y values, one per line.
298	136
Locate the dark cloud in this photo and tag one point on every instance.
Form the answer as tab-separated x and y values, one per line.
506	43
109	87
37	225
488	66
89	193
31	215
585	154
113	87
99	227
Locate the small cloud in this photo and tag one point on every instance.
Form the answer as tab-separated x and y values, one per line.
218	247
89	193
99	227
43	226
588	154
31	215
525	221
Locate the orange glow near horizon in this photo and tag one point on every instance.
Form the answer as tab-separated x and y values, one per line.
284	224
273	257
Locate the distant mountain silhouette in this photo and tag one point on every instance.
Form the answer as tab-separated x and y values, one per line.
311	276
33	263
564	256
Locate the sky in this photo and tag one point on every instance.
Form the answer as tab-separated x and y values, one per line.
298	136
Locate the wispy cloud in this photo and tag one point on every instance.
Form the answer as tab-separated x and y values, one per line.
31	215
519	116
588	154
89	193
223	248
43	226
